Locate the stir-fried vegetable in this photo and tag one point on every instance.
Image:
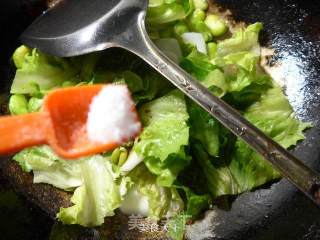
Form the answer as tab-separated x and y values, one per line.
154	171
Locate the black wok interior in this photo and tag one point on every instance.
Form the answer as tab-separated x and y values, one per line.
292	28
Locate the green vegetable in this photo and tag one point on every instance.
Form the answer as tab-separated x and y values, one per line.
197	64
170	47
177	226
155	86
19	55
123	157
204	30
197	16
212	49
115	155
196	22
164	137
39	72
48	168
18	104
274	115
99	188
162	201
245	169
201	4
184	157
216	83
195	205
180	28
204	129
35	104
98	197
216	25
163	12
68	84
241	40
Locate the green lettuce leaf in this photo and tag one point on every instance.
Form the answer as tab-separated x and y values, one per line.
143	87
216	83
98	197
154	85
244	169
220	180
99	189
241	40
37	71
165	136
274	115
195	205
204	128
163	12
197	64
162	201
243	80
48	168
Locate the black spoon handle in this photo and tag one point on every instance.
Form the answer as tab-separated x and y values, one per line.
304	178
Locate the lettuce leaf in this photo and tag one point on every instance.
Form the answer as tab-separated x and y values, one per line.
204	128
98	197
154	85
197	64
48	168
274	115
245	169
228	165
241	40
162	12
37	71
195	205
99	188
165	136
162	201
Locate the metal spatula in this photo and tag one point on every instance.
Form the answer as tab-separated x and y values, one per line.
75	27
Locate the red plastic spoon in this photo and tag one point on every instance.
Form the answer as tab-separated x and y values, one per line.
61	124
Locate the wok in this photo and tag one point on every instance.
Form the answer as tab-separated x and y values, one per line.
275	211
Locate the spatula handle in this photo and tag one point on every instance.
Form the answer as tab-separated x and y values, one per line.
18	132
307	180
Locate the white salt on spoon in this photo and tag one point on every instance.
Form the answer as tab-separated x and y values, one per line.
111	116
